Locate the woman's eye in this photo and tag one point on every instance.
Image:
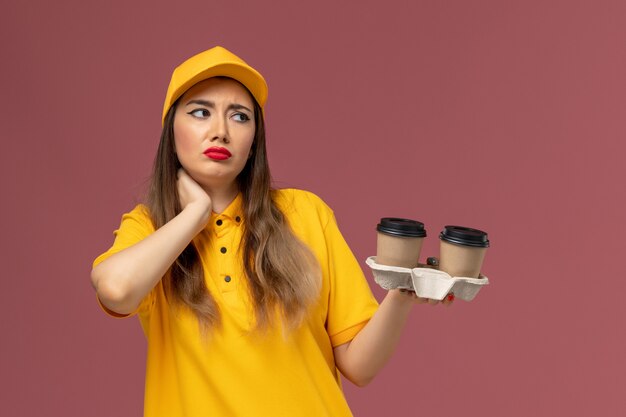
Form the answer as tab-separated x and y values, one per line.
241	117
199	113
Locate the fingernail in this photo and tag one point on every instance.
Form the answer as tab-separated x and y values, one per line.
450	297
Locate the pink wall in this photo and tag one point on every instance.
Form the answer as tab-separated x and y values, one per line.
502	115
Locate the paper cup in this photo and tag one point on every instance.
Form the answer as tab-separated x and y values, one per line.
399	242
462	251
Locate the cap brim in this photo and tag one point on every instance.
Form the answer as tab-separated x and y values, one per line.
246	75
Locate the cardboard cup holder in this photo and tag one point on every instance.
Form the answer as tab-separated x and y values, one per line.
426	282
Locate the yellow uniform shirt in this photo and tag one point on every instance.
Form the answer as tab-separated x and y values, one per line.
236	371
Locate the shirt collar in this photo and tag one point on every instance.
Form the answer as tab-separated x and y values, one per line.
233	212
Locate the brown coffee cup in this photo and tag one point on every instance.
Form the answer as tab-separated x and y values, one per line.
399	242
462	251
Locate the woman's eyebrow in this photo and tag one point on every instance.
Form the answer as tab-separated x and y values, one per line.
207	103
201	102
236	106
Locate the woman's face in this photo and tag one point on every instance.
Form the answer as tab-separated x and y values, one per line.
214	128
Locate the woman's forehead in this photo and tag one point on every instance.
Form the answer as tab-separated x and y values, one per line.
219	86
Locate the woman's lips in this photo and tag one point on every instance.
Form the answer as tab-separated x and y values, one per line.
217	153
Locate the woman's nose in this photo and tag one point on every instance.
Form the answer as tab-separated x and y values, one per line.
220	130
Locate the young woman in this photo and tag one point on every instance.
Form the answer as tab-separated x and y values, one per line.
250	299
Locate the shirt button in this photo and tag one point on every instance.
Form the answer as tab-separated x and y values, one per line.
237	219
227	278
219	222
223	250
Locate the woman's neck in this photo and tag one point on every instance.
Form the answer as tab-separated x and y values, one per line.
222	196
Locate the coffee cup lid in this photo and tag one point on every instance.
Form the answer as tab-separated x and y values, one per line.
401	227
464	236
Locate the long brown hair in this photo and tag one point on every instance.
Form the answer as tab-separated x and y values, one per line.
281	271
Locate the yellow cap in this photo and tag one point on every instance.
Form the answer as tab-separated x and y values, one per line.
214	62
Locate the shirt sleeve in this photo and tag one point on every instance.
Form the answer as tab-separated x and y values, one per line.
351	302
134	227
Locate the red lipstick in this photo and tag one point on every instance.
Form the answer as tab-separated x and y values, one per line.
218	154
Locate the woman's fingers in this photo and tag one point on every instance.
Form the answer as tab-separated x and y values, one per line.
447	301
420	300
189	191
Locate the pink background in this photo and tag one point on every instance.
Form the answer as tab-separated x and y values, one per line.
507	116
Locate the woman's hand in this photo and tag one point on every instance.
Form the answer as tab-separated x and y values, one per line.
407	294
190	192
126	277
